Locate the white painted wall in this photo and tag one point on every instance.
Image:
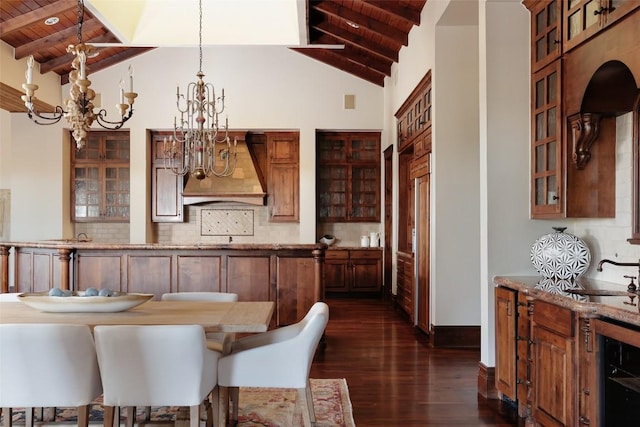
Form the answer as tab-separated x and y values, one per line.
5	148
507	233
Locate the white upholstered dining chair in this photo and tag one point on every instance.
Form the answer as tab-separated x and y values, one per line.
10	297
47	365
159	365
278	358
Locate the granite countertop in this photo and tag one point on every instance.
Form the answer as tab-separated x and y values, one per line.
615	307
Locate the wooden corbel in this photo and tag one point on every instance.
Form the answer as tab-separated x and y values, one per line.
584	131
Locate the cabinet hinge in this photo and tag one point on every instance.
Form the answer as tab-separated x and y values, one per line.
586	328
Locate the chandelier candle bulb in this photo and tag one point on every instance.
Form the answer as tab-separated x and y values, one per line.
130	78
30	70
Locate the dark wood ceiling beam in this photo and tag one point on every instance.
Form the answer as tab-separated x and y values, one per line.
366	23
11	100
410	16
60	38
40	14
331	58
350	38
359	55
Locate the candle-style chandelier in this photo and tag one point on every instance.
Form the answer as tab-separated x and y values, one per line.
78	109
199	146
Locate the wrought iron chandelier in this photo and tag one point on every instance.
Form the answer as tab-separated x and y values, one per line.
199	146
78	109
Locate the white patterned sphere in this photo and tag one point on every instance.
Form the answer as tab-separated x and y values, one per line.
560	255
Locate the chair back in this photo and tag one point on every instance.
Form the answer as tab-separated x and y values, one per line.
200	296
166	365
283	360
47	365
10	297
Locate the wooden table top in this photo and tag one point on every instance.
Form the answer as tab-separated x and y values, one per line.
242	316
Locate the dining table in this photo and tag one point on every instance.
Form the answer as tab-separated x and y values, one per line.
229	317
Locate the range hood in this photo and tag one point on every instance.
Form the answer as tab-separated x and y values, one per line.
244	186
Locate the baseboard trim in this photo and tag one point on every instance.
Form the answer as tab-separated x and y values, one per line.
455	336
487	381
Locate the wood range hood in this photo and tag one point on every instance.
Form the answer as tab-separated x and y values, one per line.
245	185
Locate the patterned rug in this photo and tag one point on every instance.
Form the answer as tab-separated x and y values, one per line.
258	407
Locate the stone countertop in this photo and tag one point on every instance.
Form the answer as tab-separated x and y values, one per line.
72	244
354	248
614	307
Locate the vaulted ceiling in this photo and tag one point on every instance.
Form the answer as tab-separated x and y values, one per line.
360	37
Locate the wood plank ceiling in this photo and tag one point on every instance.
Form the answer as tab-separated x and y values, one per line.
372	32
365	37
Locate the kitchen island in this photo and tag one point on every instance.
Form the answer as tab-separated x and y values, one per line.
289	275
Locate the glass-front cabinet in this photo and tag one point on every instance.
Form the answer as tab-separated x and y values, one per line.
100	178
546	156
585	18
546	36
348	176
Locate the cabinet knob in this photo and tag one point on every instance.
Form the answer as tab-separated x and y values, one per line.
584	420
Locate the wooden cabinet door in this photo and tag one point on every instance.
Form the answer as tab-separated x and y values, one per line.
335	275
547	183
505	312
283	188
166	187
585	18
405	283
554	367
283	182
553	378
423	258
166	195
366	271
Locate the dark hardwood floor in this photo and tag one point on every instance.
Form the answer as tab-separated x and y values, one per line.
395	378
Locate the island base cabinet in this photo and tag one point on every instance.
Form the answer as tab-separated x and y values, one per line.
290	276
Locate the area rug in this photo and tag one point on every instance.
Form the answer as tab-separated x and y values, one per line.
258	407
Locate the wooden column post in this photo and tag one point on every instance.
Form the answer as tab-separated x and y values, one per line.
318	258
64	255
4	269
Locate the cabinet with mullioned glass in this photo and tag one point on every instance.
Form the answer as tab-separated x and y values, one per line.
348	176
100	178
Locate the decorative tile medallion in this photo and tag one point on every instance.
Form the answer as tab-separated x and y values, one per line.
226	222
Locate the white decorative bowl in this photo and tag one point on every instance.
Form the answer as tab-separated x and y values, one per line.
81	304
328	239
560	255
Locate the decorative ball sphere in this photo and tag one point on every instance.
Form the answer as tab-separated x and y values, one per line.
560	255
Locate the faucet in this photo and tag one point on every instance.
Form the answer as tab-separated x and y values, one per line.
82	237
632	286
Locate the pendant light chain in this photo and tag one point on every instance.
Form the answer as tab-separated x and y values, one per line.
80	19
200	35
